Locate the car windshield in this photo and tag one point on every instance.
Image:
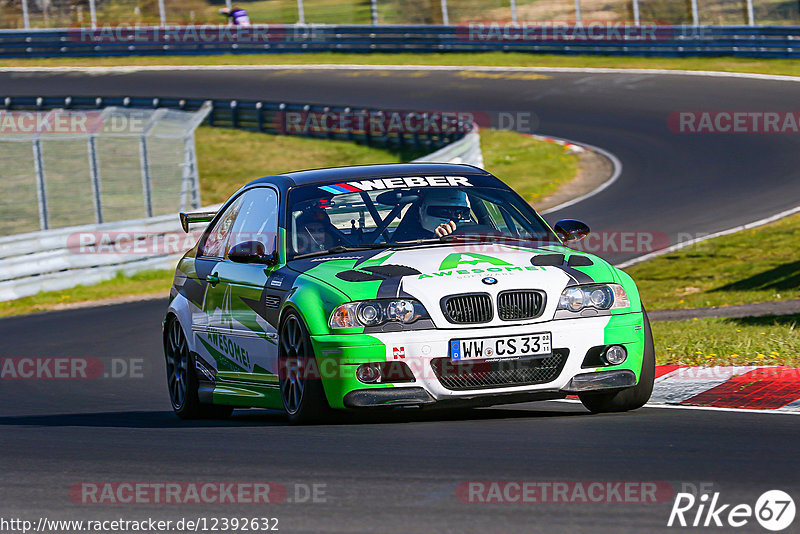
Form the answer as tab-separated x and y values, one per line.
357	215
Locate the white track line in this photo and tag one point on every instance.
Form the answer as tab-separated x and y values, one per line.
706	408
617	164
684	244
457	68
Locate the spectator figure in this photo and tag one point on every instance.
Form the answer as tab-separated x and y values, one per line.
236	16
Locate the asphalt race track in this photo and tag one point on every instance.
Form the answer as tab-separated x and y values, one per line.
404	472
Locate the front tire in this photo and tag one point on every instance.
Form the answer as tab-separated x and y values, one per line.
633	397
300	382
181	378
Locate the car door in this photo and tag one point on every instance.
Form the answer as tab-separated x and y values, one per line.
237	301
206	323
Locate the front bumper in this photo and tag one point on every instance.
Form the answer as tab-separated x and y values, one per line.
422	350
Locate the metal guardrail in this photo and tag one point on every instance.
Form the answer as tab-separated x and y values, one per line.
59	259
741	41
279	118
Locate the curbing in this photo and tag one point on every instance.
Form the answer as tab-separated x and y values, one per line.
771	388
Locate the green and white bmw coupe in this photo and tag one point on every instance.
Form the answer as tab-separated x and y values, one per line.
387	286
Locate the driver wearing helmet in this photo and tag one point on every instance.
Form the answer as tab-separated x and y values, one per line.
438	214
315	231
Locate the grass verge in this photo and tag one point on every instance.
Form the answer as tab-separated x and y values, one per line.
771	340
143	283
756	265
790	67
228	159
534	169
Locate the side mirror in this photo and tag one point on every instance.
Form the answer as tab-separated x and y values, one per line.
571	230
251	252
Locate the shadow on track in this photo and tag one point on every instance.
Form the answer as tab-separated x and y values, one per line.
252	418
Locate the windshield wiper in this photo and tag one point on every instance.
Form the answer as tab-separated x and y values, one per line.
429	240
512	238
338	249
471	238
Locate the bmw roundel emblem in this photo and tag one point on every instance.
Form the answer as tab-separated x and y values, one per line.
489	281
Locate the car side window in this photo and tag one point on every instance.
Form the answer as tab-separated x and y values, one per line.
257	219
216	241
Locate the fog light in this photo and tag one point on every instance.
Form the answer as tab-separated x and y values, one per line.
369	373
615	355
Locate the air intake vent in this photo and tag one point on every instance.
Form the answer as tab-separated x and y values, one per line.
459	376
468	309
518	305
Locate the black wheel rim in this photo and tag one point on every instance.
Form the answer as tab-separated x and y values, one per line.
177	353
293	357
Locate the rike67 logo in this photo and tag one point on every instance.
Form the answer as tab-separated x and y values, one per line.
774	510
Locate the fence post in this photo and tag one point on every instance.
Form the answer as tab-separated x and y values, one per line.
144	163
750	18
26	20
578	17
144	159
190	177
260	116
636	20
234	113
93	13
162	13
41	190
94	169
301	12
445	14
695	16
373	9
514	11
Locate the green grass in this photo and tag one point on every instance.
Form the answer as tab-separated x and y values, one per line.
756	265
746	341
534	169
228	159
143	283
789	67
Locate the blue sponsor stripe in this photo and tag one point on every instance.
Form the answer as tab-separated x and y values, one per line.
335	189
332	189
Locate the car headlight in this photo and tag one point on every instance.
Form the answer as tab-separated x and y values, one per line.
598	296
377	312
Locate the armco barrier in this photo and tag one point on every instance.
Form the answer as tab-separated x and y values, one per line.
741	41
49	261
271	117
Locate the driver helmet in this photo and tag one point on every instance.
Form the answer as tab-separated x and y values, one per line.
315	225
440	206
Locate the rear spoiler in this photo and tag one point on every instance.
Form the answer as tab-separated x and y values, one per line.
196	217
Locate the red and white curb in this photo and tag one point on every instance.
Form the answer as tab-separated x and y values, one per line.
568	146
772	388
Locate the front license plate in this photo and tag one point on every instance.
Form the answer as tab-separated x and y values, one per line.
501	347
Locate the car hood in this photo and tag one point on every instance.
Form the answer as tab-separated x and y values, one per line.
428	274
